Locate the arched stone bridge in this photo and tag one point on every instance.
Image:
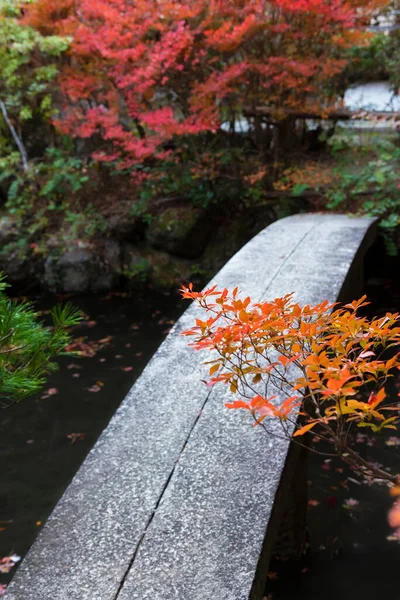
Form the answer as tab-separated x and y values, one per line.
180	499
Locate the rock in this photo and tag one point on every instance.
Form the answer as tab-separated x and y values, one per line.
107	267
16	263
180	230
126	227
154	267
7	230
87	267
168	271
69	272
136	267
232	234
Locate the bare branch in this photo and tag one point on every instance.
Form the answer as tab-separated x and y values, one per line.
17	139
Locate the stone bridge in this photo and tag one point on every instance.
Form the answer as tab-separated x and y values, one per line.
181	499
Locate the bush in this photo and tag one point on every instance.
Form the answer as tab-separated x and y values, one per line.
329	369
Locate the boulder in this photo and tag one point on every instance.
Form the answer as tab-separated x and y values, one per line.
16	262
180	230
136	268
127	227
168	271
8	230
159	269
232	234
86	267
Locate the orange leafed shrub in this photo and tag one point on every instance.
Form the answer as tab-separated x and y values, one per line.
321	368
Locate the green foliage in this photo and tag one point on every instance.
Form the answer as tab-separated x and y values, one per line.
210	171
53	178
138	271
370	62
27	347
51	197
29	65
370	188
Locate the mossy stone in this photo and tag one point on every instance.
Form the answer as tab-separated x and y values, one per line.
181	230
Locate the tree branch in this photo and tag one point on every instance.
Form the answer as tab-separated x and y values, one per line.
18	141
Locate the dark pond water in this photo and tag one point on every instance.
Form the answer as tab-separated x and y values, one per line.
353	553
45	439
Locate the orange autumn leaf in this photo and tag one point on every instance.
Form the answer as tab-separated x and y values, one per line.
304	429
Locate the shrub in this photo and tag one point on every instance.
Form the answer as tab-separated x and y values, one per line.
328	368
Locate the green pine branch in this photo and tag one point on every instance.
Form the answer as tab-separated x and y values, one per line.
27	347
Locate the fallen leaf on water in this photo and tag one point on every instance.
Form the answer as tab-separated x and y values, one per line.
393	441
126	369
89	323
52	391
83	347
313	502
352	502
94	388
8	562
272	575
332	501
73	437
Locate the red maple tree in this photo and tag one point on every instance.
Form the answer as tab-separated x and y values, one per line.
142	73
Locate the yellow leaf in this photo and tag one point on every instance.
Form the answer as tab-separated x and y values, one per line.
214	369
233	386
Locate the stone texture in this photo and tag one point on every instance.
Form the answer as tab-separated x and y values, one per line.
175	500
15	254
126	226
233	233
86	267
181	230
159	268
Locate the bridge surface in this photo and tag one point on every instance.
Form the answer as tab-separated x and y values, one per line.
179	499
